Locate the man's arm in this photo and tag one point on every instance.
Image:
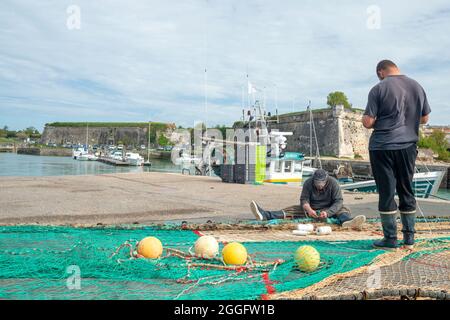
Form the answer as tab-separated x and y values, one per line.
370	114
304	199
368	122
338	200
426	110
425	119
309	211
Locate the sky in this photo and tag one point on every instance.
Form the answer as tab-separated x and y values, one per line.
145	60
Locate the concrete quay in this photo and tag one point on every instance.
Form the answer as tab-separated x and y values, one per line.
154	197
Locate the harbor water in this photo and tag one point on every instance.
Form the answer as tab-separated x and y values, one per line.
12	164
444	194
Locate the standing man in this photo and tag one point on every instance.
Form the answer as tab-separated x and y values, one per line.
395	109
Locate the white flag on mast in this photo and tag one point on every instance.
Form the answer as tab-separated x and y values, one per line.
251	88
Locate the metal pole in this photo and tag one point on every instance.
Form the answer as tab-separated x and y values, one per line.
148	147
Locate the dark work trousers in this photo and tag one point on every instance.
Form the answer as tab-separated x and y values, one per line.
342	216
394	170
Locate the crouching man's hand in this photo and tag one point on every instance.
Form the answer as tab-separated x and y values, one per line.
309	211
313	214
323	215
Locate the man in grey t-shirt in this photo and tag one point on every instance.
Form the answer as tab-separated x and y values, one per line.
396	107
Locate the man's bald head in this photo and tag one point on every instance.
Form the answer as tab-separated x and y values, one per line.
386	68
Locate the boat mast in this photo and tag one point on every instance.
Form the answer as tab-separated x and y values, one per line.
148	146
310	131
313	129
87	136
206	91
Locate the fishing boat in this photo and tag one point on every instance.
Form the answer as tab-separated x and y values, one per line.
83	154
78	152
263	163
148	163
87	157
426	184
308	169
117	155
285	169
134	159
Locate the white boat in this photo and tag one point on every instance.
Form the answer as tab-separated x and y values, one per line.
76	153
134	159
186	159
83	154
285	169
87	157
292	167
425	184
117	155
308	169
275	166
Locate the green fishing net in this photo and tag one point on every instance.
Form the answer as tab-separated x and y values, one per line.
38	262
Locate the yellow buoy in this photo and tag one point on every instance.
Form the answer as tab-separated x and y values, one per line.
307	258
206	247
150	247
234	253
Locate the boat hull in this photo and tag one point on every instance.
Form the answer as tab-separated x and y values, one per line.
136	162
425	184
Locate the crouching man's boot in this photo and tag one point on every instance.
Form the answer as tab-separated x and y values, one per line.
408	222
389	242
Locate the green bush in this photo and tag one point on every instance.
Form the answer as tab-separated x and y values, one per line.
163	141
338	98
437	142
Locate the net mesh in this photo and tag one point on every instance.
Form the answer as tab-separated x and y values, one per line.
39	262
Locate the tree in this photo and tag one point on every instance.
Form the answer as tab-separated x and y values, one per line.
29	131
437	142
22	135
222	129
3	132
11	134
163	141
338	98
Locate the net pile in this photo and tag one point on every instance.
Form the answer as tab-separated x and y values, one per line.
38	262
421	273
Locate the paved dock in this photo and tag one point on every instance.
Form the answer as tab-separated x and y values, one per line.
153	197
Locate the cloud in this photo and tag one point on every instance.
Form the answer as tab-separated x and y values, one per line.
136	60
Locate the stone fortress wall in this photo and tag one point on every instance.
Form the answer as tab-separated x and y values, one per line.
339	131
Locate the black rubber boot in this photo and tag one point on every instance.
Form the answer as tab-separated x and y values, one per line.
389	242
408	222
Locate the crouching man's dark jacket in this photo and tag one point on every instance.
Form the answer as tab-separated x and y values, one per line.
330	198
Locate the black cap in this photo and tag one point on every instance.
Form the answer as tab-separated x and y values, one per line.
320	175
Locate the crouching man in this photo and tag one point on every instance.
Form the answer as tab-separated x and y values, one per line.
321	199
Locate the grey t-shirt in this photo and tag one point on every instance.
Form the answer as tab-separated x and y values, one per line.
397	103
330	198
